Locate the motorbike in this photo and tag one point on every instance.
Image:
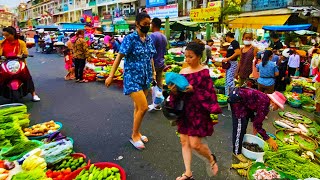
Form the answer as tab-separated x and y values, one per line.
47	48
13	77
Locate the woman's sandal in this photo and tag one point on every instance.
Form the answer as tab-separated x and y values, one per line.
185	177
213	163
144	139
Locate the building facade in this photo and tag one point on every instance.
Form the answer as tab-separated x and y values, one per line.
45	12
296	11
7	18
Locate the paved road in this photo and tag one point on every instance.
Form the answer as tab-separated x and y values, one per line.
100	120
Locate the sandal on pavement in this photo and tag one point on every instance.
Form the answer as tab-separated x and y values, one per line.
138	144
185	177
144	139
213	163
83	81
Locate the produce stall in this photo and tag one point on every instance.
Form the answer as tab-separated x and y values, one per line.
300	94
41	152
298	154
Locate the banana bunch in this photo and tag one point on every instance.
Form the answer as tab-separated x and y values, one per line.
33	162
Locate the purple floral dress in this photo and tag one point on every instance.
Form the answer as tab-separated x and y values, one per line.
198	105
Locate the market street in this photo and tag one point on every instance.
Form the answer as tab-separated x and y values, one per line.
100	120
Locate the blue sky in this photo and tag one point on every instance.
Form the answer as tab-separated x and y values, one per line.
12	3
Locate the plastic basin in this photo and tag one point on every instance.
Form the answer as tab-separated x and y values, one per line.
44	136
250	154
100	165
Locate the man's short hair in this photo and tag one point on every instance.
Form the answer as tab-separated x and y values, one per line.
156	22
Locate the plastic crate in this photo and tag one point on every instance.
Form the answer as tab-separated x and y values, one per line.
297	89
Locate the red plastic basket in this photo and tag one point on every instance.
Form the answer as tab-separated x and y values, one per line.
79	155
100	165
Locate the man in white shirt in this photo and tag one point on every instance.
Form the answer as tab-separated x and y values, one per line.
293	63
47	39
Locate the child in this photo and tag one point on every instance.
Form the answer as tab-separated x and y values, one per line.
200	102
68	65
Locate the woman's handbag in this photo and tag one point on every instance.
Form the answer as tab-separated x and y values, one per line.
173	113
226	65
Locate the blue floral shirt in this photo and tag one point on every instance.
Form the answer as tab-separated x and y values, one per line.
137	62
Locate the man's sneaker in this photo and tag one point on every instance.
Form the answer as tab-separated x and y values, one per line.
35	98
241	158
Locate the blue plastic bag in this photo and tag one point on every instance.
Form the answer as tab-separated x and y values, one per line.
177	79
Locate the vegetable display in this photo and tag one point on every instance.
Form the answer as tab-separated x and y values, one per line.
69	161
18	111
57	151
36	174
288	161
94	173
17	151
220	82
33	162
168	59
41	129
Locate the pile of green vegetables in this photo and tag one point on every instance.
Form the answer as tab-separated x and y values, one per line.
18	150
220	82
175	69
306	100
36	174
10	132
288	160
19	112
168	59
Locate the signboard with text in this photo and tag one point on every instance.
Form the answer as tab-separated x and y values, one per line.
155	3
210	14
163	11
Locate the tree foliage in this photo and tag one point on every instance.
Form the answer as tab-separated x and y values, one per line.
232	7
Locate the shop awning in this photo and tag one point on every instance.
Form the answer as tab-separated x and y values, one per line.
185	25
306	32
48	27
71	26
287	27
257	22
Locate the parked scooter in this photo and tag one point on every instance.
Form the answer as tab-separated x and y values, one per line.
13	75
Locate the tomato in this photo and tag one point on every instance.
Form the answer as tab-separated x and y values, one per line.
60	176
55	174
68	170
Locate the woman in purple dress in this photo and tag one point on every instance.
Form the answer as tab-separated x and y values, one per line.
200	102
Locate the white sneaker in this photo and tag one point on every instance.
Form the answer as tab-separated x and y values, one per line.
153	107
35	98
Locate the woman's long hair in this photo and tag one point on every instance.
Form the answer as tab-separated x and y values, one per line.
266	57
11	30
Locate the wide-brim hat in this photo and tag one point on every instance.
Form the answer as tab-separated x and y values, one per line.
278	98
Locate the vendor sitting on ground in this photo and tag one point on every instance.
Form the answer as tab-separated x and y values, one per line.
251	104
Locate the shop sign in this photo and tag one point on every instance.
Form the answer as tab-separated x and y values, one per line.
108	28
119	20
214	4
163	11
210	14
155	3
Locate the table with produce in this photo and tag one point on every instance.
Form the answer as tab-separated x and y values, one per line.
298	154
42	152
